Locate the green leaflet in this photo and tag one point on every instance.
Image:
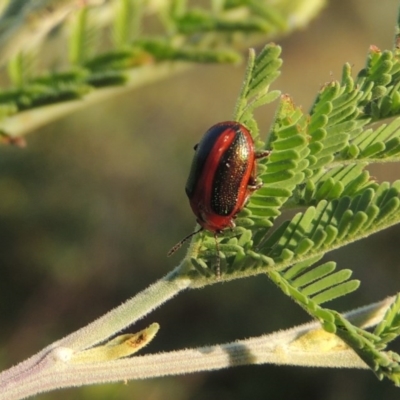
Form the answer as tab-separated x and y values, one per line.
327	282
261	71
198	21
389	327
336	291
315	274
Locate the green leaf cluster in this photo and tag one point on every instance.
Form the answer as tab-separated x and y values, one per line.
140	36
317	165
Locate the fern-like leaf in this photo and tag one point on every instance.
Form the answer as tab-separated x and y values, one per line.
345	180
260	73
381	144
334	119
322	284
82	37
197	21
389	328
127	23
380	81
284	168
311	286
331	224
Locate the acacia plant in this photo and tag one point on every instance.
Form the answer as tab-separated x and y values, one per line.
317	165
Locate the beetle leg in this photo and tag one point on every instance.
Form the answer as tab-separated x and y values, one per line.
254	183
262	154
218	266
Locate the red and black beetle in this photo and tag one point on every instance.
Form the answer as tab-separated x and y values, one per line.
222	177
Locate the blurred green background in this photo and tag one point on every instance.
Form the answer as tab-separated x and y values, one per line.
90	208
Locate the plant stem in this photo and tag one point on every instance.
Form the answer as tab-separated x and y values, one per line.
49	358
305	345
25	122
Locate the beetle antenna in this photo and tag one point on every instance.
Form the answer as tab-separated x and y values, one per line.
179	244
218	266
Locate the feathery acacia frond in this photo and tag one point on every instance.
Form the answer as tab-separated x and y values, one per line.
260	73
286	165
318	161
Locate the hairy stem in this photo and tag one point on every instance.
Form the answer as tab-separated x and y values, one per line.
305	345
98	331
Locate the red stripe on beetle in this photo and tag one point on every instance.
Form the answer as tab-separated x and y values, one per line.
222	177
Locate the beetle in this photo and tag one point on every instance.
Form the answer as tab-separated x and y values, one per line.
222	177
